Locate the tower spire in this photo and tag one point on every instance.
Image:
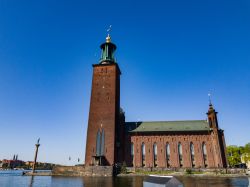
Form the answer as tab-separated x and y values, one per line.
211	108
210	102
108	38
209	98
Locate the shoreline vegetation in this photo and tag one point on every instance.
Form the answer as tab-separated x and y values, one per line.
186	172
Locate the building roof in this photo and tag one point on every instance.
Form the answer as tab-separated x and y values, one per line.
164	126
159	180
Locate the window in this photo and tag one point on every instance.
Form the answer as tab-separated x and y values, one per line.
103	142
204	152
132	153
210	122
100	143
155	154
143	154
167	155
132	149
180	154
192	154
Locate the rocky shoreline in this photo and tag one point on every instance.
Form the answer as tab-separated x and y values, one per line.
176	174
37	174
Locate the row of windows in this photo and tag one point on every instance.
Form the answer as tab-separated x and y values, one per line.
192	154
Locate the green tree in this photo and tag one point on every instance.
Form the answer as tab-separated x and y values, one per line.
233	155
246	154
5	165
247	148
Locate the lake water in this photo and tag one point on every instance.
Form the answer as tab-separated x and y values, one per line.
15	179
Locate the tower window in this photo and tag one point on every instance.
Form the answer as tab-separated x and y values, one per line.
100	143
210	122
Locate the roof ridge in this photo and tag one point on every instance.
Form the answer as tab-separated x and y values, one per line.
162	121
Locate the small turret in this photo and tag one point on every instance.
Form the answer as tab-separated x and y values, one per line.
212	115
108	50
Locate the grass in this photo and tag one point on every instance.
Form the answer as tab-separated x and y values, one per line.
153	172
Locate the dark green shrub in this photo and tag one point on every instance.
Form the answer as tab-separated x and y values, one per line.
188	171
124	168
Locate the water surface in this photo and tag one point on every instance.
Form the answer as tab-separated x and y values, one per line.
15	179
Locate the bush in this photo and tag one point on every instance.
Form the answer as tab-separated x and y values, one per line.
189	171
124	168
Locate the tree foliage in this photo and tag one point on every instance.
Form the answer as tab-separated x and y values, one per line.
235	153
246	155
124	168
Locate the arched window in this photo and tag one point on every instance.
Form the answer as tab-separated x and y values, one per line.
100	143
143	154
155	154
192	154
180	154
167	155
132	153
204	152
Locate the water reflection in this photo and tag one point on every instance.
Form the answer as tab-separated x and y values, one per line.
98	181
214	181
113	182
67	181
138	181
31	181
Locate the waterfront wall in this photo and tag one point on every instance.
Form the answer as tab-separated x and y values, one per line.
83	170
109	170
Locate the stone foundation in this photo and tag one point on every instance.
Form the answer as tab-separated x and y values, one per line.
83	170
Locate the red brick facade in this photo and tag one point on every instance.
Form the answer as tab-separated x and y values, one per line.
213	155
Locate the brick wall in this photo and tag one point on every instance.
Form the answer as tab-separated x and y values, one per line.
173	139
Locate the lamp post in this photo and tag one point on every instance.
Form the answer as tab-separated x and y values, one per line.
34	164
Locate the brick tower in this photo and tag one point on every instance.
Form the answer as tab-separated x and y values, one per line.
218	139
102	141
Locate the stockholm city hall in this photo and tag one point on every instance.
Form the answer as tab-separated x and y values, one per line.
164	144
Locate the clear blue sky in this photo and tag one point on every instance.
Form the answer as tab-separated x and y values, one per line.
171	54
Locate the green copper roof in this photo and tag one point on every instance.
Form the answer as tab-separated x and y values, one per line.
163	126
108	50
